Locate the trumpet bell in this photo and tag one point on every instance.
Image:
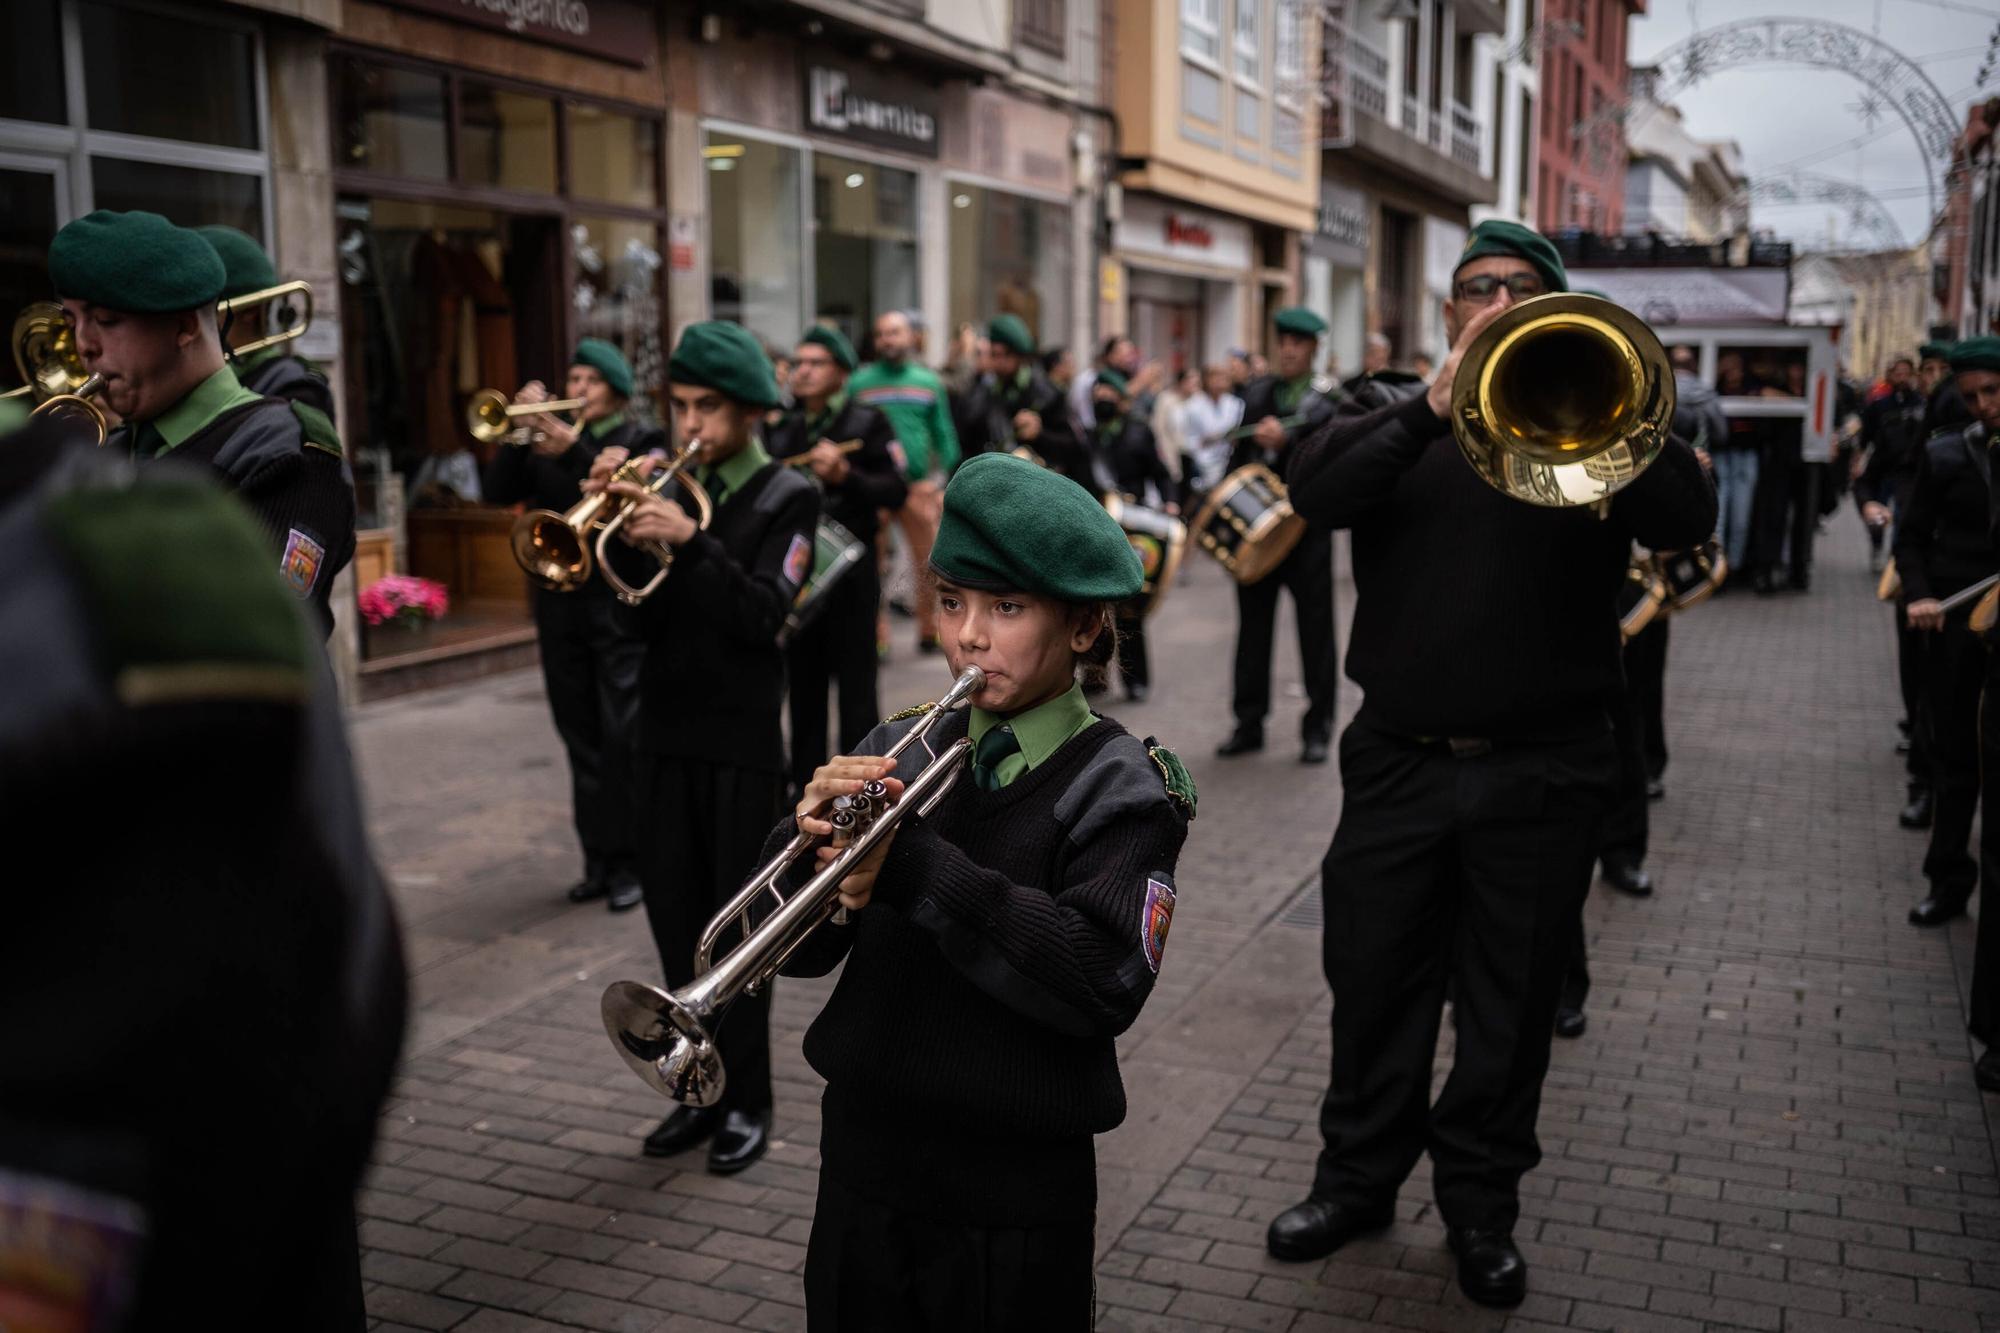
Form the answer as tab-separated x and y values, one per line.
486	416
1563	400
664	1042
548	546
45	352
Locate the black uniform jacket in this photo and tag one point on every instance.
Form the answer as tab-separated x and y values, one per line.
1260	400
1057	444
288	470
1892	428
714	680
1478	615
1127	457
519	475
288	378
1942	543
875	471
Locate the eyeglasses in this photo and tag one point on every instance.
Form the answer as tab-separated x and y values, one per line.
1485	287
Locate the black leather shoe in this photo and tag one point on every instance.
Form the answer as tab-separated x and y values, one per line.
1570	1022
1313	751
1626	877
625	895
1136	693
683	1129
1241	741
1316	1228
1937	909
1986	1070
1917	814
1491	1270
587	890
740	1141
1656	790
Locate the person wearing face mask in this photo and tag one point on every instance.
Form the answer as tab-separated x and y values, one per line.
1474	781
1127	463
140	294
1281	410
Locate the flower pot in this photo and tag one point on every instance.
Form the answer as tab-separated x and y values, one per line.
396	636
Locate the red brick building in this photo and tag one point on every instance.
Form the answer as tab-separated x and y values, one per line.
1581	180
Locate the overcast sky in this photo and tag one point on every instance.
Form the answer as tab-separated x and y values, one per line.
1800	117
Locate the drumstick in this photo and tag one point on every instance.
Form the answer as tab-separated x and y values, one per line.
1284	423
800	460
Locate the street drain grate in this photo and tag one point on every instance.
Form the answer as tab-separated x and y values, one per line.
1305	911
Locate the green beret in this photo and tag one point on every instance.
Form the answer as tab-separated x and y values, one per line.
836	344
1511	238
1011	526
1011	332
607	361
245	266
1981	353
1112	379
716	354
1299	321
136	262
1934	352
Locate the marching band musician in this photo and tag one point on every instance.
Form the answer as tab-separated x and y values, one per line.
1473	784
1975	365
140	293
274	371
1021	407
855	458
590	653
994	948
1285	408
711	758
1128	463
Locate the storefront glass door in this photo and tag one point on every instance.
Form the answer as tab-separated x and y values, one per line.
33	202
864	243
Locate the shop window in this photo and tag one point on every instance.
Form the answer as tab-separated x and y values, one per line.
1760	372
616	295
506	139
1201	29
755	244
190	196
1010	254
614	158
1249	50
168	78
31	87
27	221
1042	24
1291	47
864	243
392	120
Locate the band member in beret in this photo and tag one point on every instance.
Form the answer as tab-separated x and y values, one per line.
851	451
1474	779
1020	410
994	949
275	371
140	293
1281	409
711	756
590	651
1127	461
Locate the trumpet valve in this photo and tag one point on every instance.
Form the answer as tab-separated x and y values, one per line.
875	789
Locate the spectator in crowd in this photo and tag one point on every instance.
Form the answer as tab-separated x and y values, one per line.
1059	364
1375	359
1423	367
1210	416
1118	353
1944	406
1169	419
1738	456
1239	370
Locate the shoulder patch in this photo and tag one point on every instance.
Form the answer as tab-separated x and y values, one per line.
1156	917
910	712
318	428
1180	785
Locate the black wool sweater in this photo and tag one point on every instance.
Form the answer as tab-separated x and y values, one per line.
874	471
968	1048
518	474
1942	544
1475	614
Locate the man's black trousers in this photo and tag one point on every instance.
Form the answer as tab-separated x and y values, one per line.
704	825
1954	671
1460	872
1985	1018
1911	674
1308	573
1787	514
590	668
837	647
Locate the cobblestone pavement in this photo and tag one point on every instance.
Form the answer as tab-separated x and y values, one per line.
1770	1124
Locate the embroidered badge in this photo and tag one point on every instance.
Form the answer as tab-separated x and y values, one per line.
1179	783
1154	921
301	563
798	559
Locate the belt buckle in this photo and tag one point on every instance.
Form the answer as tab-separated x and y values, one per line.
1469	747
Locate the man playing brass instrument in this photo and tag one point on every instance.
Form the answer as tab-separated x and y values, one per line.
140	293
590	653
273	371
1485	641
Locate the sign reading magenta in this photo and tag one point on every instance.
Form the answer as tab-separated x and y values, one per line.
861	106
620	30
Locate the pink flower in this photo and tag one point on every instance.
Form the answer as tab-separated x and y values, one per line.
405	598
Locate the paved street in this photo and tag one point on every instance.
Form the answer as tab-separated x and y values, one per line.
1770	1123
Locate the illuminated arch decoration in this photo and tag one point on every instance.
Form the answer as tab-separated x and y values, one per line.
1866	215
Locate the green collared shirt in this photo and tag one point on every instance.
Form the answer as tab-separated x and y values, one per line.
1291	391
1042	730
180	423
818	421
603	426
733	471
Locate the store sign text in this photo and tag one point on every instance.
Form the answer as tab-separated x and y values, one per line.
1182	232
839	104
620	30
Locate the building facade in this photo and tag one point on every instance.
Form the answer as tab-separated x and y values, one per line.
1966	239
1678	185
1879	300
1581	169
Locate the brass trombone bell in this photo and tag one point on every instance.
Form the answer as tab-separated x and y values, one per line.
45	353
1563	400
489	416
297	314
78	407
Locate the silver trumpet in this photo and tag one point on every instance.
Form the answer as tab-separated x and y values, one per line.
668	1038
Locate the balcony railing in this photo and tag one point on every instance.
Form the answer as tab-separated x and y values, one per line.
1465	141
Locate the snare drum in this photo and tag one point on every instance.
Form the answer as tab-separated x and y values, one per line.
1158	539
1247	523
836	552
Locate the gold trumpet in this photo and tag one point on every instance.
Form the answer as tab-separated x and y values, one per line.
297	314
1563	400
45	353
489	416
558	552
669	1038
78	407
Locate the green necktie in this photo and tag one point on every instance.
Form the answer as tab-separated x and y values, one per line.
147	440
993	747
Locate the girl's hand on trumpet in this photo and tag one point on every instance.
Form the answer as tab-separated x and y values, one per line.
846	775
601	468
653	518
